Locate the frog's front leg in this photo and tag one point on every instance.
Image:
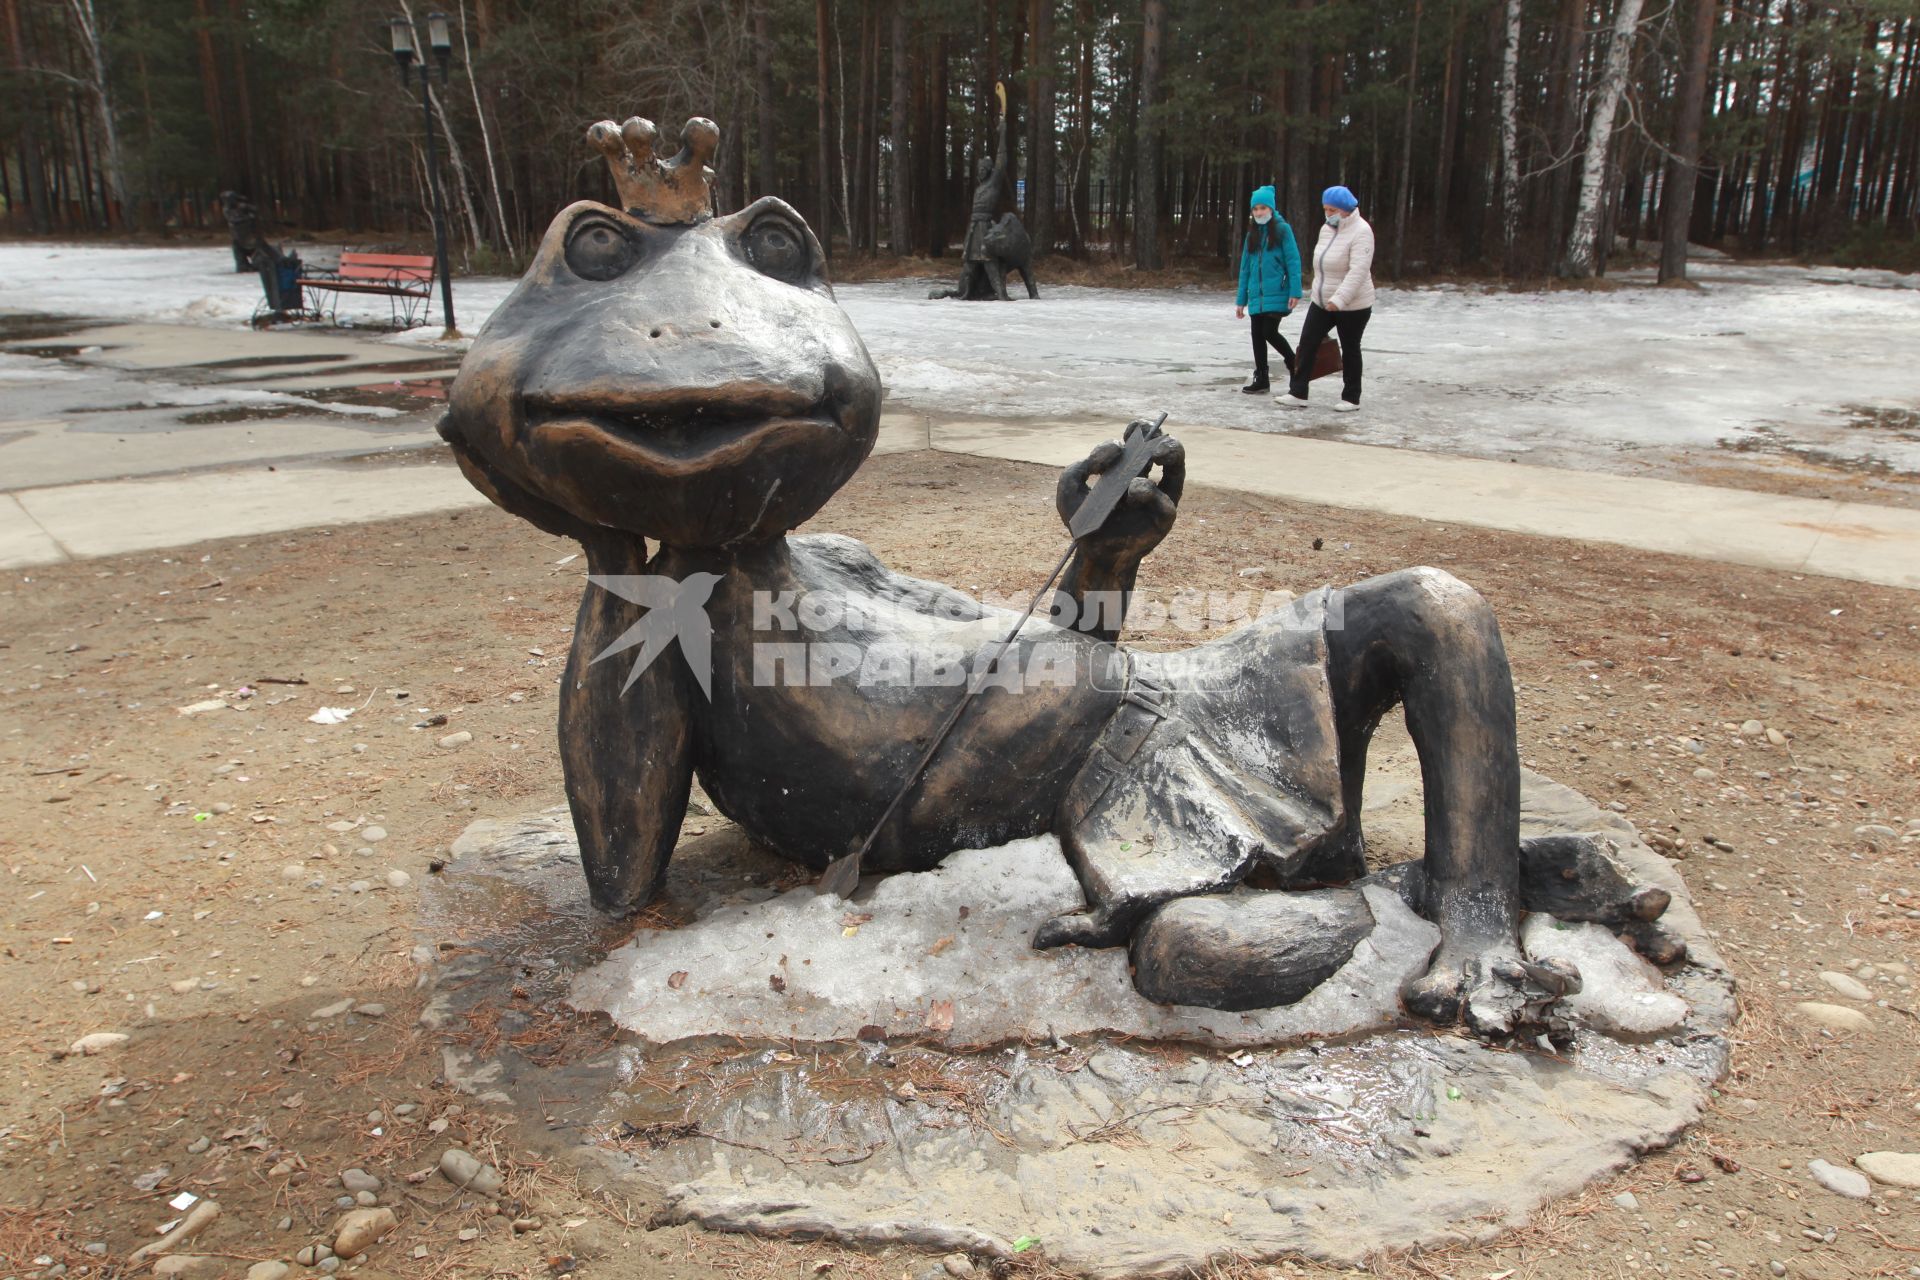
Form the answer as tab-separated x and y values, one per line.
626	736
1426	640
1098	586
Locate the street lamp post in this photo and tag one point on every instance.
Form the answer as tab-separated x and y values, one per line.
441	42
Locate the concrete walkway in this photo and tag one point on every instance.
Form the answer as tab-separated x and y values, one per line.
1739	526
1798	535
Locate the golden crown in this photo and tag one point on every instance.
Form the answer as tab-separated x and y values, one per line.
663	192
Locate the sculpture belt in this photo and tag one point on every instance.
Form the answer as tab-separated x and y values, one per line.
1144	713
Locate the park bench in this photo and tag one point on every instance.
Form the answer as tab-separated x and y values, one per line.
404	279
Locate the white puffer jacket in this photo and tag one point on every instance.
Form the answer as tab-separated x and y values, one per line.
1343	265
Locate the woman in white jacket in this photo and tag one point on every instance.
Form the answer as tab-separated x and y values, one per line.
1340	300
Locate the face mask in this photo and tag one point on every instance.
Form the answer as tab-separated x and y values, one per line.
1333	220
1262	216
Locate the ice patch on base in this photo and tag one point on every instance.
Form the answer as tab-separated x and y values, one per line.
1620	993
955	942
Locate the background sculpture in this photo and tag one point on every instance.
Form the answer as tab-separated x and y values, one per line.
243	224
993	248
661	373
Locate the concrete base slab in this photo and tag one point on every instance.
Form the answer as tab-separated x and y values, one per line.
1120	1144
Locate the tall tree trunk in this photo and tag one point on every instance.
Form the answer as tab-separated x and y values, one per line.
1146	171
926	175
1859	125
1298	165
87	23
33	176
1449	135
1405	211
461	186
1789	193
1683	165
764	143
1567	93
486	141
211	90
1080	178
1041	125
898	237
1478	213
243	101
940	184
840	136
1583	241
823	175
859	196
1510	136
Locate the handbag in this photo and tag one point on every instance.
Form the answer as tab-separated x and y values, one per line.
1327	359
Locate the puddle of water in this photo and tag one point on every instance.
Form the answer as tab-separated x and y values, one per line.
411	366
253	362
242	413
33	327
408	397
57	351
1903	423
1900	424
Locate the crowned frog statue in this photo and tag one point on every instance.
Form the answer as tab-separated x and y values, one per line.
665	376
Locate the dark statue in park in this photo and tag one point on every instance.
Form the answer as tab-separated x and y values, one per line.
993	247
664	374
243	224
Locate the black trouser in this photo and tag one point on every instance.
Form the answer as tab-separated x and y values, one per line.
1313	330
1266	329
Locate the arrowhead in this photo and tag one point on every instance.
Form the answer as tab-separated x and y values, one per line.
841	877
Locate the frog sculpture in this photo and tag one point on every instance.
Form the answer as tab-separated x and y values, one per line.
664	374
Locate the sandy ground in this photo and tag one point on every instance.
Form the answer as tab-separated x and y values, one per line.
211	884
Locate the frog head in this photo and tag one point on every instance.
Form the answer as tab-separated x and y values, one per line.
662	372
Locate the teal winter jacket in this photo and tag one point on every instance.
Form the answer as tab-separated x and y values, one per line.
1269	268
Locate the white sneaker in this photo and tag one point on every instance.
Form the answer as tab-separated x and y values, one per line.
1290	402
1345	406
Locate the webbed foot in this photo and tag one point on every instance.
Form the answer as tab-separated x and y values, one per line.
1494	990
1656	943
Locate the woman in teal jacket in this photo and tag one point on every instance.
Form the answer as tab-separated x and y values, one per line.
1269	284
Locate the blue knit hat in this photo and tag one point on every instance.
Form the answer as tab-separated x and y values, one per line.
1340	198
1265	196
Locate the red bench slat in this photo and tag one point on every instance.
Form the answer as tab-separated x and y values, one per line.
358	271
423	262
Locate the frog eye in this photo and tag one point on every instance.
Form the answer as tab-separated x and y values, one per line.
598	249
777	248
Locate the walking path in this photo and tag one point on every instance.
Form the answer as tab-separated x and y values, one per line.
1799	535
143	436
1739	526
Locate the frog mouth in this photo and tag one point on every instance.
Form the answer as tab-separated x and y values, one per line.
678	435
